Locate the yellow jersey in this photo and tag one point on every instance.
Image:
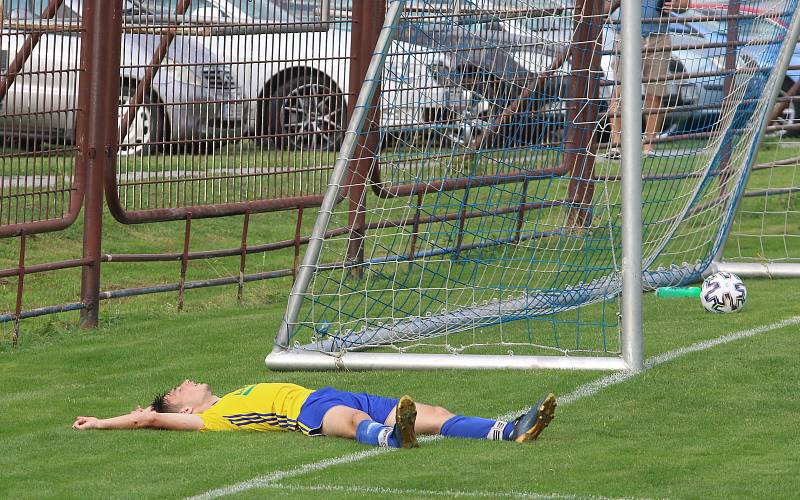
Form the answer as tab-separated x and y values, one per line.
257	407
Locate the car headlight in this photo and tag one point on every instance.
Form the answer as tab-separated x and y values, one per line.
184	74
742	61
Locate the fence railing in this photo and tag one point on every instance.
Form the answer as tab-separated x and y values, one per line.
201	111
192	111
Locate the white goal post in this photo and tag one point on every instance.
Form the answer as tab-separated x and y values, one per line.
502	231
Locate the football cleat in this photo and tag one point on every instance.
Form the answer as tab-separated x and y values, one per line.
405	419
527	427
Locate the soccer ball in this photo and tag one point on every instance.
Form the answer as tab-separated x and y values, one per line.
723	293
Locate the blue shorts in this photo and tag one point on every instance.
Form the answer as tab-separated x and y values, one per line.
319	402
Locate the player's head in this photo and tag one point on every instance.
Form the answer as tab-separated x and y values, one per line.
183	398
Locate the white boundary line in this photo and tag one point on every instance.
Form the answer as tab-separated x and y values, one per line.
415	493
585	390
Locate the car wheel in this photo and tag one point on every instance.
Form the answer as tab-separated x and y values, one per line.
790	114
146	131
27	144
307	112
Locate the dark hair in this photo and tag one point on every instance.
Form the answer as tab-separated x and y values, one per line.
161	405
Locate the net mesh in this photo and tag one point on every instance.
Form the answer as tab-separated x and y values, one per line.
41	187
483	207
246	106
766	229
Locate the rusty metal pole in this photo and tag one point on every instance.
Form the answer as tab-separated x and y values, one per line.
243	256
146	81
297	237
20	287
790	96
583	97
96	133
368	18
187	235
731	52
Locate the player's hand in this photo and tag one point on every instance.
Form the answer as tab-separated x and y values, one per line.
139	409
83	423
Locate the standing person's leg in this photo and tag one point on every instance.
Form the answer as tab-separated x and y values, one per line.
654	123
614	105
616	122
655	68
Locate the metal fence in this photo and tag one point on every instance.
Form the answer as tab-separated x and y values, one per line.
167	111
180	110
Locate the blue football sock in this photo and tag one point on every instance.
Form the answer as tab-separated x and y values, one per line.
476	428
372	433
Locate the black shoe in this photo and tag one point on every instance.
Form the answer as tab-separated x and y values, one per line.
405	419
527	427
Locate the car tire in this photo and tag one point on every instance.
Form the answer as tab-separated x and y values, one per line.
147	131
27	144
306	111
791	114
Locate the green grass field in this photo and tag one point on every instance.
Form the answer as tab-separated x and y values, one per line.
719	423
714	423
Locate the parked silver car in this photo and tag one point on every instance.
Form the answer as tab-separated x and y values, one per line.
297	79
193	99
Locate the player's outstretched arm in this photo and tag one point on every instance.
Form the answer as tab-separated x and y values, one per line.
144	419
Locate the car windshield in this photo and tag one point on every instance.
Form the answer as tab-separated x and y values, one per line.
749	29
160	7
18	9
490	5
140	7
33	9
494	5
270	11
520	16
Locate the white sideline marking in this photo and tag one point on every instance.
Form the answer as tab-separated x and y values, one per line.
415	493
585	390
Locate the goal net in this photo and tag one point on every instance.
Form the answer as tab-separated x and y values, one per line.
474	215
765	235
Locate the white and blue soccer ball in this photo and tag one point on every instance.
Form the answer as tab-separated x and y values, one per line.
723	293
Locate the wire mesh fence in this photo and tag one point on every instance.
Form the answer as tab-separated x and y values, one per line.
42	183
222	108
236	107
245	112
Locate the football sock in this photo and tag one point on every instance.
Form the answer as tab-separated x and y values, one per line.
476	428
372	433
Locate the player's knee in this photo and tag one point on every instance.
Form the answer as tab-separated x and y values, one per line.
357	417
443	412
439	416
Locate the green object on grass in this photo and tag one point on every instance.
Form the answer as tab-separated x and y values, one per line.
671	292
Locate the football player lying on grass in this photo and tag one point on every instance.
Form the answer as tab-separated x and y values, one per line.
368	419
